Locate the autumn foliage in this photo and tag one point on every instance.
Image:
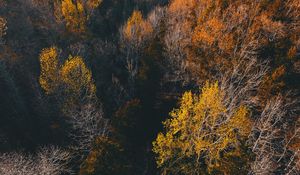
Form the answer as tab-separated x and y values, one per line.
171	87
137	28
198	131
76	14
73	76
49	78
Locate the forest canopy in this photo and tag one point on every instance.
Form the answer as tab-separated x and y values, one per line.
170	87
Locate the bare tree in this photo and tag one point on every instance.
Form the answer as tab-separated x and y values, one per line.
16	163
241	84
177	38
134	36
175	43
45	14
155	18
293	165
268	130
48	161
271	142
52	160
87	123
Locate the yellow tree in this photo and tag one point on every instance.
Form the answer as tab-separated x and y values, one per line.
73	85
74	16
73	78
78	82
201	136
76	13
49	77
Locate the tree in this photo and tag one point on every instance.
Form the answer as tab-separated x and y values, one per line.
205	37
73	84
272	84
92	4
43	16
200	131
136	29
209	131
134	35
180	19
49	76
53	160
273	137
88	123
77	81
127	119
3	28
74	16
72	81
49	160
106	158
156	18
76	13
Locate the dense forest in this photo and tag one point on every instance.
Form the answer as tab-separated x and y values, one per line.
146	87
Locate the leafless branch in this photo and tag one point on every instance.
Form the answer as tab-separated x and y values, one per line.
48	161
270	141
87	123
